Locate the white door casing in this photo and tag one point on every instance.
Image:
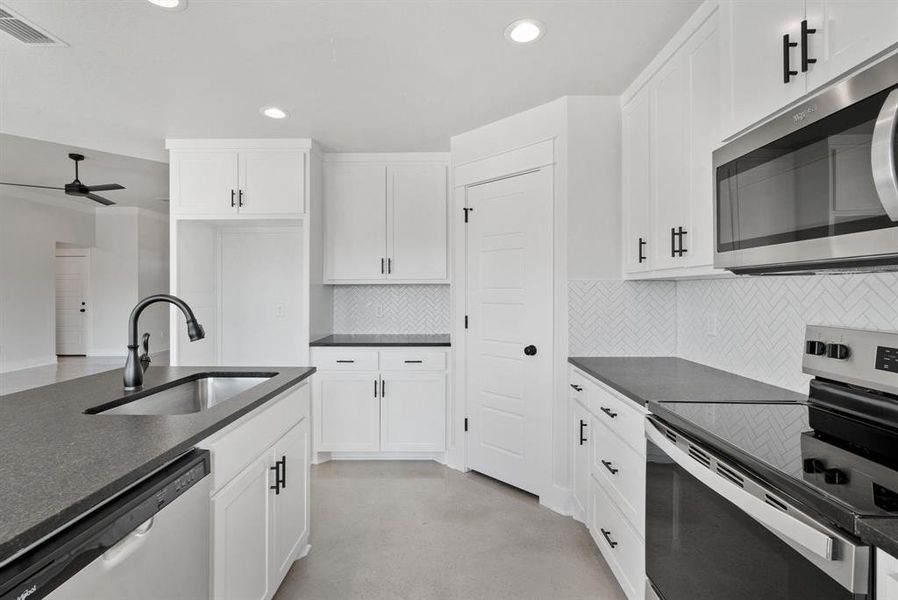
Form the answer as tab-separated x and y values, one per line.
72	286
509	304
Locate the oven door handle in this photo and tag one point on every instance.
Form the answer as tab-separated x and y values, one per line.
882	155
807	537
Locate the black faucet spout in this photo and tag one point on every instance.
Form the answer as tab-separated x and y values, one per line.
133	377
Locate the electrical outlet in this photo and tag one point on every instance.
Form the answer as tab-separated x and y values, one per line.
280	310
379	310
711	324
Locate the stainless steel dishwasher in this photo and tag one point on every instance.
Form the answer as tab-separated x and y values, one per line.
149	543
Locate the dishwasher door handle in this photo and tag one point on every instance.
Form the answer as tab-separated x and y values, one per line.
127	545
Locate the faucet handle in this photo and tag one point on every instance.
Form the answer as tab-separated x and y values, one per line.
145	357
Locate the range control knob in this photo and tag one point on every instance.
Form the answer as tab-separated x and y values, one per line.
815	348
813	465
835	477
838	351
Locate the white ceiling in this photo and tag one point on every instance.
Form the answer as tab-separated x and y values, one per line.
357	75
25	160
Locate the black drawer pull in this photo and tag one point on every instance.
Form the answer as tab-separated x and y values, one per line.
583	425
345	361
414	362
576	387
607	535
277	479
608	466
608	411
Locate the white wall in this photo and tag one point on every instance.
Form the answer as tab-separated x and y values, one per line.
29	231
113	275
152	265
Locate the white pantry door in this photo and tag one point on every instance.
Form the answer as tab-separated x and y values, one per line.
71	304
509	306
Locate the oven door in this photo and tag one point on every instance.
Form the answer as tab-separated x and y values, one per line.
816	187
713	532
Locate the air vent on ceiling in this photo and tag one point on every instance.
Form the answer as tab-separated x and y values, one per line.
25	32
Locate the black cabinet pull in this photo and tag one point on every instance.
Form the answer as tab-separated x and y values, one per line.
341	360
582	426
530	350
681	233
239	198
608	411
673	242
642	256
607	535
283	462
414	362
805	32
389	266
232	199
375	388
382	271
383	389
576	387
277	478
607	464
676	242
788	73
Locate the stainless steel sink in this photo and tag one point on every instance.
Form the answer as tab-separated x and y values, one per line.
189	397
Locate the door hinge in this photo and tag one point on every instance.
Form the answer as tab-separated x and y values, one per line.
466	321
466	423
467	210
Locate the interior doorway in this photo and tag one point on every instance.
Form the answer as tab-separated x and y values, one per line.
72	292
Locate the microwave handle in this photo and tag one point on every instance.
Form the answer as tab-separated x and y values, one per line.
807	537
882	155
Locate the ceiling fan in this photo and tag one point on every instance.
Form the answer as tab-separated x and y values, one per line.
76	188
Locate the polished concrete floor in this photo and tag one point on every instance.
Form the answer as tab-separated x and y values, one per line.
418	530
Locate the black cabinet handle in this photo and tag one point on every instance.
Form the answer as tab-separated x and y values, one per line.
582	426
383	389
81	310
239	198
681	233
382	271
576	387
805	32
530	350
389	266
277	478
342	360
608	411
375	388
642	256
673	242
607	464
788	73
283	462
607	535
414	362
233	204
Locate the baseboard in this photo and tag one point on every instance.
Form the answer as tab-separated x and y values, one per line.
557	499
28	363
323	457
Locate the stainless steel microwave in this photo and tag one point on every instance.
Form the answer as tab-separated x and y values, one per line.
814	189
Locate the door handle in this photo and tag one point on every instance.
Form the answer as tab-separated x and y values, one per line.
283	463
81	310
583	440
805	32
375	388
882	155
383	389
382	271
608	465
788	73
389	266
608	411
530	350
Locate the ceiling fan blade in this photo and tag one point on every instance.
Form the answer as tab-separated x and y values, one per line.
43	187
105	187
99	199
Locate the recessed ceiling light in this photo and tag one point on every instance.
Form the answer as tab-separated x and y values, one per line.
273	112
524	31
170	4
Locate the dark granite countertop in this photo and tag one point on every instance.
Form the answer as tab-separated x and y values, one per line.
668	379
373	339
58	463
879	532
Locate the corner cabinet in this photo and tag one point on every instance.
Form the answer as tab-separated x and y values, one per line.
670	127
386	218
251	178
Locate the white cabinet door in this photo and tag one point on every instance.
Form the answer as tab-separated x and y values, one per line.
290	505
347	409
417	222
240	535
670	161
886	575
848	32
703	55
355	215
413	412
582	433
753	59
204	182
272	182
637	165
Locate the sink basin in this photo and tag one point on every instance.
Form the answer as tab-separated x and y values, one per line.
191	396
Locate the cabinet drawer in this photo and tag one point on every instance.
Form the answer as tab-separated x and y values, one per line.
244	441
412	360
620	471
618	542
578	386
350	359
620	416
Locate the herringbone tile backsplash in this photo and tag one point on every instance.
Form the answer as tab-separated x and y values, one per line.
391	309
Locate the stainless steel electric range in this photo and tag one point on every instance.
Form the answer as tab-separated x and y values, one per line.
748	501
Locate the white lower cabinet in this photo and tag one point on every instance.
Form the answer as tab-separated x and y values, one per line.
379	400
608	476
260	512
886	576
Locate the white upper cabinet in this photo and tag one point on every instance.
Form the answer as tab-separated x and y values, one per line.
417	219
637	162
847	32
765	72
355	217
218	178
753	58
385	220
